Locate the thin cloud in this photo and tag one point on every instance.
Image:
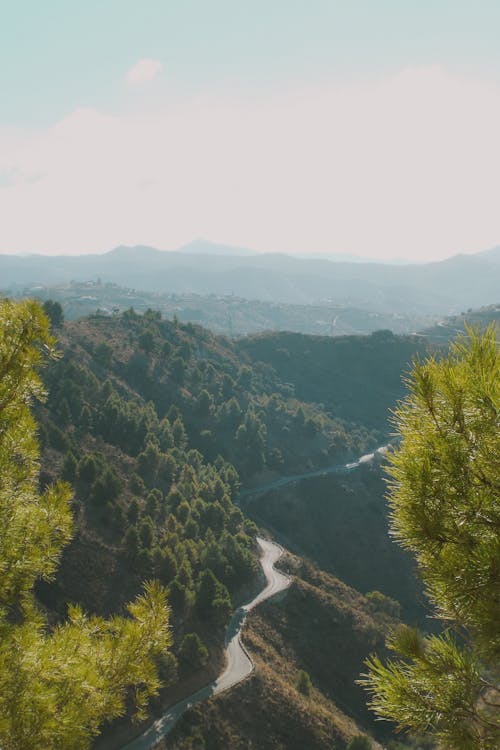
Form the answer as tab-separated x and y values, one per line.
407	166
144	70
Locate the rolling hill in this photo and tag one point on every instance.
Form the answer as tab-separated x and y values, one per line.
446	287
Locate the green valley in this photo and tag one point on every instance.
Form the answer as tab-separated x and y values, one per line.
159	424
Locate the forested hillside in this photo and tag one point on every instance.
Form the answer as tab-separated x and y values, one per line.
340	522
322	628
226	314
157	424
357	378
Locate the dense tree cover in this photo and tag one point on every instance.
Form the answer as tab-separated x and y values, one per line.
445	499
241	411
357	378
147	503
350	508
192	652
142	442
320	626
361	742
155	422
56	686
53	310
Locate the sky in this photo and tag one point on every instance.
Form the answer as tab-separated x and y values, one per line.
366	127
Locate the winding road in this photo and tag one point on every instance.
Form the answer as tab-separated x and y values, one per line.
292	478
238	662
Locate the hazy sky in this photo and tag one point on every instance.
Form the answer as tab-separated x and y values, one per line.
368	127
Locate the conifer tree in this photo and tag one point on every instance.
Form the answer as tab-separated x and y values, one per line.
445	508
303	683
56	686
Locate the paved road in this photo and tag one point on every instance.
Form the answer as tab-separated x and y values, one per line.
291	478
238	663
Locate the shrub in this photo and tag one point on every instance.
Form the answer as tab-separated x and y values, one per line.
303	683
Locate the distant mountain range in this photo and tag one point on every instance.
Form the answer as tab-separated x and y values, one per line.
205	247
445	287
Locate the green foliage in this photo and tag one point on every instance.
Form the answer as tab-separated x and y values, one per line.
152	504
361	742
444	495
384	604
44	520
132	541
146	533
146	341
133	511
167	566
69	467
103	354
54	313
87	469
358	378
167	668
188	389
204	403
160	406
56	687
221	609
213	600
303	683
106	487
192	651
85	419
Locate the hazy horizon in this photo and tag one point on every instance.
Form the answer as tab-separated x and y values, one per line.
326	128
333	256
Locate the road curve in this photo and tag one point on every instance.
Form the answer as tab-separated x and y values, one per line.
238	662
292	478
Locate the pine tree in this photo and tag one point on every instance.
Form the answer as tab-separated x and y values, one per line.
445	505
56	686
303	683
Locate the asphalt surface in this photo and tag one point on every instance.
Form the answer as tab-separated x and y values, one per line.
292	478
238	662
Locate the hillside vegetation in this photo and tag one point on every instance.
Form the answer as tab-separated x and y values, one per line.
357	378
269	710
341	522
157	424
226	313
57	685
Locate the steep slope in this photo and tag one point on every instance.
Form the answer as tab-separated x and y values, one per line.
155	424
320	626
148	420
341	522
355	378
